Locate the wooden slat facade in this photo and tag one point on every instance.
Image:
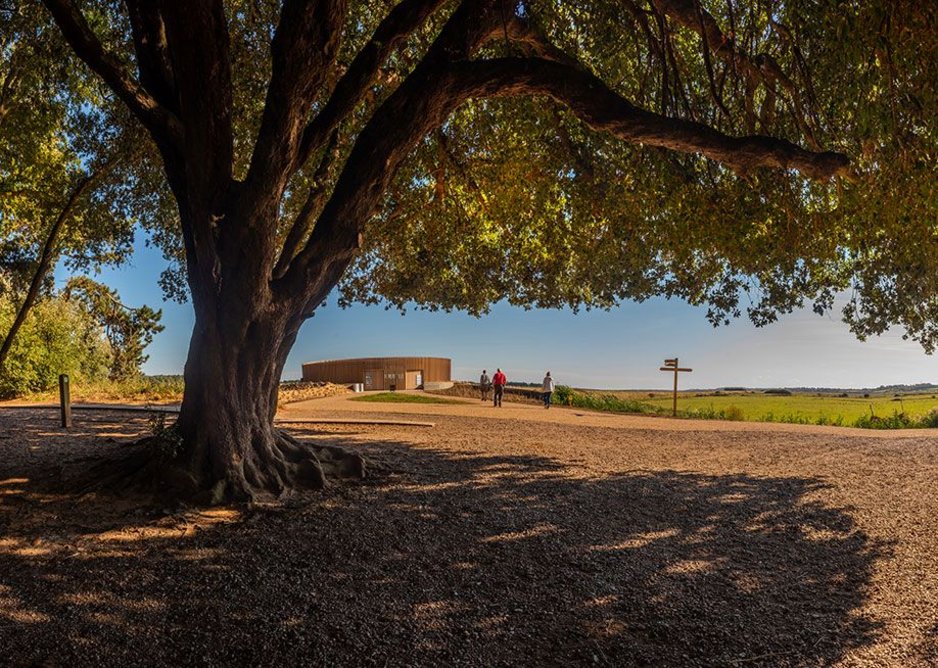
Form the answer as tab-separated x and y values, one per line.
380	373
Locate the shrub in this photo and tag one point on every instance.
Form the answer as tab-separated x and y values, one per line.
824	420
734	413
930	420
58	336
896	421
567	396
562	394
709	413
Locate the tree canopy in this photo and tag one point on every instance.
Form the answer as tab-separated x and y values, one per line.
72	189
128	330
518	199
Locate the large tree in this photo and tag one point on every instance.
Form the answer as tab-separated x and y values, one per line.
460	152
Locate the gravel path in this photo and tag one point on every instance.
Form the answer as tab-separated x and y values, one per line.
516	536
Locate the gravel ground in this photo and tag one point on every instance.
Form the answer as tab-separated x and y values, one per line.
513	536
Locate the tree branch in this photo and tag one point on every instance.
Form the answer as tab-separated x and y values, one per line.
762	68
201	174
463	171
421	103
603	109
691	15
49	251
400	22
445	79
714	93
304	47
304	220
153	60
159	120
199	49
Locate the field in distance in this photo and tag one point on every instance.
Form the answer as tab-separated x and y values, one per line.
810	408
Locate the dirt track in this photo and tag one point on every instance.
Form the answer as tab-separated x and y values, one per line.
514	536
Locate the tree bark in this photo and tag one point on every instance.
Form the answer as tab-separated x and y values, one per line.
228	441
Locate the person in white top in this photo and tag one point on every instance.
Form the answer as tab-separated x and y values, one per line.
547	389
485	384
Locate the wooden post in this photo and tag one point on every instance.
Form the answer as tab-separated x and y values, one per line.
65	402
670	364
674	402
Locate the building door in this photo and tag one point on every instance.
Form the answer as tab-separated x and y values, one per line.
414	379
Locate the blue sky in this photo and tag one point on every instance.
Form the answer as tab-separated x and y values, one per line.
618	349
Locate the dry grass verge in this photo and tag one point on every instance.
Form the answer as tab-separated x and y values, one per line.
169	389
300	390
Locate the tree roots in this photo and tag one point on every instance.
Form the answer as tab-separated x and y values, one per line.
287	465
275	468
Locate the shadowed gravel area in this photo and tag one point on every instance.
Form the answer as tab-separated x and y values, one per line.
526	540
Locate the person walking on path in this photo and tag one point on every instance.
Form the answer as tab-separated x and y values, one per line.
498	382
547	388
484	384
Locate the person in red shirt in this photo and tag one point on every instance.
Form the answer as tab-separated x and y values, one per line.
498	384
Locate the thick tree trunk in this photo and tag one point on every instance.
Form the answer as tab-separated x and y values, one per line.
228	445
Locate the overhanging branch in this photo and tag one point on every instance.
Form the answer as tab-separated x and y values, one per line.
442	82
419	105
762	68
159	120
314	200
605	110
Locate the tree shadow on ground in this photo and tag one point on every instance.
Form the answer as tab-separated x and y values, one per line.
442	558
929	647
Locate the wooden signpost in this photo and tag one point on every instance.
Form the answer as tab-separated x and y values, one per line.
670	364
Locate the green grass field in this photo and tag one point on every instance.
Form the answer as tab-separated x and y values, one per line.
398	398
804	407
911	410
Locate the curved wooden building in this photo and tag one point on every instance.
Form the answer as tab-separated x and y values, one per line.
381	373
